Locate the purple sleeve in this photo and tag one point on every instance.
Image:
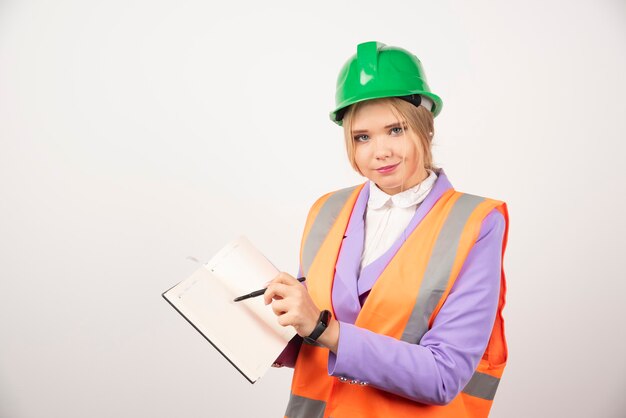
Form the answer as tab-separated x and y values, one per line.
438	368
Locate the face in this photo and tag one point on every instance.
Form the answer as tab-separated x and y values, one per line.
385	150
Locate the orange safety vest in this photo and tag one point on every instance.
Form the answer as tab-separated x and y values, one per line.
426	266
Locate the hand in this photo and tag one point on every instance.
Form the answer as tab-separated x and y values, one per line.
292	304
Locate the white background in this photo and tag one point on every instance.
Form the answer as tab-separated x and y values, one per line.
135	133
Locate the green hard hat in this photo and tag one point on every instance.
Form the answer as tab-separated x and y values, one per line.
378	70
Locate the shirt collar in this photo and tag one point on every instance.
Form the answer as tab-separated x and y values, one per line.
410	197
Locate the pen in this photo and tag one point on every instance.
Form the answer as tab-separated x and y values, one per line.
260	292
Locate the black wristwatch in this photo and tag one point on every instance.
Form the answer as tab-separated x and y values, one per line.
322	324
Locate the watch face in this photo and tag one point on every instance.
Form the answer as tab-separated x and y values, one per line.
322	324
325	317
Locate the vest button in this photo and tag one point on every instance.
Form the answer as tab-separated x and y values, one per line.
363	383
342	379
354	382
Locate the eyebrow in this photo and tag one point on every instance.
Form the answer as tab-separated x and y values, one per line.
393	125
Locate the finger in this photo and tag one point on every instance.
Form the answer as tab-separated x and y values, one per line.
285	319
280	307
275	291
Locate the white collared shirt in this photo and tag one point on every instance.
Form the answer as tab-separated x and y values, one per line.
388	216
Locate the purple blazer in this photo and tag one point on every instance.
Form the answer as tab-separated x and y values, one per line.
438	368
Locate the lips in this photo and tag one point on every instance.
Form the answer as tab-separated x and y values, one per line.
387	168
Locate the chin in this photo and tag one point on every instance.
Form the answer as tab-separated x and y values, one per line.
388	184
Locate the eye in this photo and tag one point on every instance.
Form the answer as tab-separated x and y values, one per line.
397	130
361	138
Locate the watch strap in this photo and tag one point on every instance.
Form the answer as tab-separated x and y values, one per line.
320	327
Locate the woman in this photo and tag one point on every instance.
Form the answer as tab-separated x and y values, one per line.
401	313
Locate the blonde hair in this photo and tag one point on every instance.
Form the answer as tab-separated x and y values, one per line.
419	119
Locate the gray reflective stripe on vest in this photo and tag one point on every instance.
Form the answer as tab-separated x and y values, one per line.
324	221
482	386
301	407
439	267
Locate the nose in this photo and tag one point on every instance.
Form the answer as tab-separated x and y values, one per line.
382	150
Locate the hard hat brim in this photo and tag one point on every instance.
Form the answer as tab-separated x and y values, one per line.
437	102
